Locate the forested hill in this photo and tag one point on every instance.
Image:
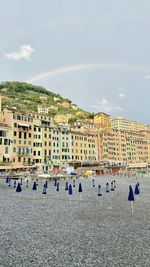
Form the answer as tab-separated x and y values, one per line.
24	96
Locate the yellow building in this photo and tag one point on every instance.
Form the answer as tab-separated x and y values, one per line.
83	146
61	119
124	124
102	120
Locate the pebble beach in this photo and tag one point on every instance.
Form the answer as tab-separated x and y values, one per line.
58	230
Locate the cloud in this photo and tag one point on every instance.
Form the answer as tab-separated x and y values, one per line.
25	52
147	77
104	105
121	95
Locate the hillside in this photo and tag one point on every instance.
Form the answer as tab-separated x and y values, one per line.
24	96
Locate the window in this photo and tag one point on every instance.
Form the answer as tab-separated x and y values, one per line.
6	150
20	135
15	133
19	159
3	133
14	149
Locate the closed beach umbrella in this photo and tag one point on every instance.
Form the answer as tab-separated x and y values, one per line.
112	186
57	187
37	182
107	187
70	190
80	188
46	184
18	189
21	182
137	191
93	183
7	179
66	186
34	186
131	197
74	185
99	191
44	190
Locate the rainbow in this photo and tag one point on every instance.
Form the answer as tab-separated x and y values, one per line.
72	68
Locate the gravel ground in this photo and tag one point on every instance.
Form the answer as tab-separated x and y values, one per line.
54	230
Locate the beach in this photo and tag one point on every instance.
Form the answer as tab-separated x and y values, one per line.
80	230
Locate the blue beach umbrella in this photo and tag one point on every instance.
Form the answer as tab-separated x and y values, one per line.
107	187
131	197
112	186
7	179
18	189
80	188
15	184
70	190
137	191
34	187
99	191
57	187
66	186
44	190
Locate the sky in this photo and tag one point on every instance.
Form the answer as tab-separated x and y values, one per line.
94	52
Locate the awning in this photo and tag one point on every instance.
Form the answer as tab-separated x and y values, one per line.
6	156
24	125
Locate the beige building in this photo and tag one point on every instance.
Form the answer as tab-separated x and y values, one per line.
124	124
